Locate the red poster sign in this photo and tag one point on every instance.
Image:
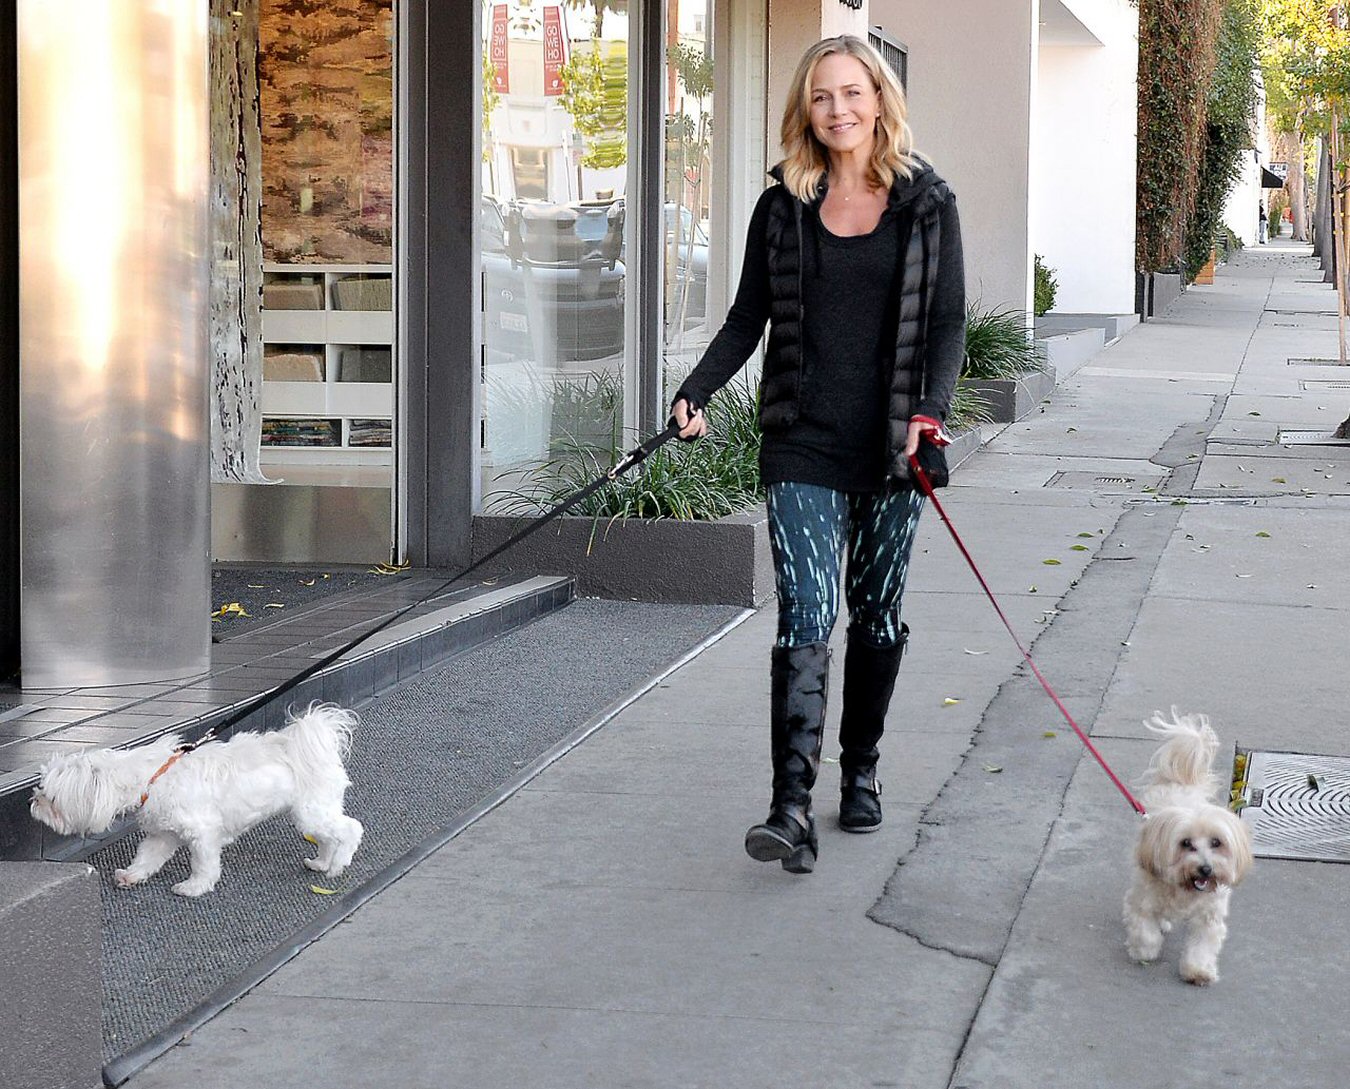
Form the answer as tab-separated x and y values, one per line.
501	79
555	51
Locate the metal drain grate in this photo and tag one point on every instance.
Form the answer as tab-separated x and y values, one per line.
1314	361
1316	385
1298	806
1081	478
1311	438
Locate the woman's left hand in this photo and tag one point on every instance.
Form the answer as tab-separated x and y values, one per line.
917	428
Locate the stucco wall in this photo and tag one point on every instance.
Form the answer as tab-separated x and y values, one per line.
1083	164
794	25
970	94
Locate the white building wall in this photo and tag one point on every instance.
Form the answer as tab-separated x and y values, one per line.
1240	210
971	75
1084	162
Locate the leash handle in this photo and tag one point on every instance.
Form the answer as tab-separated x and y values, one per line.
927	488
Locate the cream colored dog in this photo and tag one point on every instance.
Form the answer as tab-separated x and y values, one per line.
1190	853
211	796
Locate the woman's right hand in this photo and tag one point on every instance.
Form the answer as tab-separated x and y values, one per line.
693	424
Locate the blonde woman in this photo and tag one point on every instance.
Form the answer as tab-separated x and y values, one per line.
854	261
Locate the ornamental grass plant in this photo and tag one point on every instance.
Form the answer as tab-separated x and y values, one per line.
716	476
998	345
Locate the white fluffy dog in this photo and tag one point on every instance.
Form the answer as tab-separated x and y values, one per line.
212	795
1190	853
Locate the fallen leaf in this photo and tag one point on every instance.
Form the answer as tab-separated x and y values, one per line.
948	702
1078	548
309	582
969	651
1085	534
992	769
1279	480
322	891
1031	589
1242	576
1049	734
1262	533
1050	563
1253	413
829	759
274	605
255	585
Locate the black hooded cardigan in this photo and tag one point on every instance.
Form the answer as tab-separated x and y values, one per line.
928	312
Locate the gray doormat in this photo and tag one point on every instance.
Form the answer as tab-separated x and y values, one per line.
424	753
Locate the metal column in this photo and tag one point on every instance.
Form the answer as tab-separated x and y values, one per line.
114	446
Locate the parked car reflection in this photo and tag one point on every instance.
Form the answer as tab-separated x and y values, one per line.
553	279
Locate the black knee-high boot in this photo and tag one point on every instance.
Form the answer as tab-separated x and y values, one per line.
869	680
799	679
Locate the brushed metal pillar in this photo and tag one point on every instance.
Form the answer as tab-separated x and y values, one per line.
113	379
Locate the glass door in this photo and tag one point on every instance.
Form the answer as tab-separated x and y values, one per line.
323	488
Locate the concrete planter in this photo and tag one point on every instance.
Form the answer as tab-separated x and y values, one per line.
1154	292
661	559
1010	399
962	446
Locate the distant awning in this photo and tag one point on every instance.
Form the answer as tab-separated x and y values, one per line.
1271	180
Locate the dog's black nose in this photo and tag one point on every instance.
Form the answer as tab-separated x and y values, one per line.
1206	871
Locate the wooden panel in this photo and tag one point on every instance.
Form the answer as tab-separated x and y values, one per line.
327	94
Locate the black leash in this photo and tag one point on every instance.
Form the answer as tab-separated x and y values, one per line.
634	457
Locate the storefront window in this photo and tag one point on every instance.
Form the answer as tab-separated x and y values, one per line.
304	367
325	82
554	201
688	185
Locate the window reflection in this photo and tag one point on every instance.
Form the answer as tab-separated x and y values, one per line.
688	184
554	184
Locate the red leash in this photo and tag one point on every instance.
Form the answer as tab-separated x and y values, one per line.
927	489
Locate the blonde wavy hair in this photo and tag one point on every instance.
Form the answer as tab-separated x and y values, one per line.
805	161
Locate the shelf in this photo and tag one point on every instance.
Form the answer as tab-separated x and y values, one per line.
328	335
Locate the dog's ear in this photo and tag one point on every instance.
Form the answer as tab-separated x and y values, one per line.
1240	845
1153	850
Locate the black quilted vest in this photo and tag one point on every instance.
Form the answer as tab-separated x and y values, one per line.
918	223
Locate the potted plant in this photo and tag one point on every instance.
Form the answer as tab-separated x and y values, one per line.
688	525
1003	366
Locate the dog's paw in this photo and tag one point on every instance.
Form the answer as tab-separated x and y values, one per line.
1199	975
192	887
124	879
315	864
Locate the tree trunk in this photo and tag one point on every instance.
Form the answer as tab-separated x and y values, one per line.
236	244
1322	214
1296	184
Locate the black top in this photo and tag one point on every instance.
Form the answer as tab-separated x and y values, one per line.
851	298
839	438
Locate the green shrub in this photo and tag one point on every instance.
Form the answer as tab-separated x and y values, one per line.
968	409
998	344
1046	285
704	480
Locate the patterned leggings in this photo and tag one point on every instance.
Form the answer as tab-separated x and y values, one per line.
807	528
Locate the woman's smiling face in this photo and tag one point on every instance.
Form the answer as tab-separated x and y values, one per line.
844	103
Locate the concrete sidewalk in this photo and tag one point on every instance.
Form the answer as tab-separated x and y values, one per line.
603	928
